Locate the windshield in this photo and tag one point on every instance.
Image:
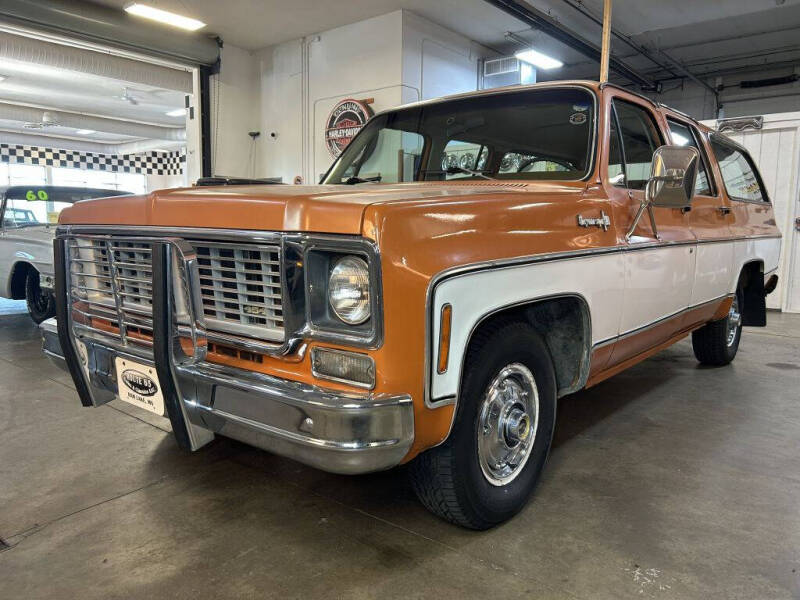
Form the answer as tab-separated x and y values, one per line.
26	213
530	134
31	206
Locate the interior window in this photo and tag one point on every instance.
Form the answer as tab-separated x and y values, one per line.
683	135
738	173
465	156
640	138
515	162
616	168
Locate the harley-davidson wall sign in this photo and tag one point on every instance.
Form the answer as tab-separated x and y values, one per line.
345	121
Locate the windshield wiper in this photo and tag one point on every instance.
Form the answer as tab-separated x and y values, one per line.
456	170
355	180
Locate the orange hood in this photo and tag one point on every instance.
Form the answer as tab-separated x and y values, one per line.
319	208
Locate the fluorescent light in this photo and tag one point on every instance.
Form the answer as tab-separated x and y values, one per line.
85	131
178	112
3	77
537	59
163	16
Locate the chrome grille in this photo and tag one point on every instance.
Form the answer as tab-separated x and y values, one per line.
111	287
240	289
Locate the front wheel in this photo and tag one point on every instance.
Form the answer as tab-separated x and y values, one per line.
41	303
486	470
717	343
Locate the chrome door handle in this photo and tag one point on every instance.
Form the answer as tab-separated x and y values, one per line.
724	210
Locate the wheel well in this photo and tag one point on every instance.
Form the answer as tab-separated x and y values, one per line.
18	275
751	281
565	326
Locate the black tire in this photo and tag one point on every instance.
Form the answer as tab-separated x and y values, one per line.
449	479
712	343
41	303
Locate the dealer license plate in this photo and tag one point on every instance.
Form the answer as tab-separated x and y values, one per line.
138	384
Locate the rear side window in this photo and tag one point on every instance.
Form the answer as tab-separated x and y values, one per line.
683	135
640	137
739	173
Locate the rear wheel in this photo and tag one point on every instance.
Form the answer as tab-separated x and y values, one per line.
717	343
488	467
41	303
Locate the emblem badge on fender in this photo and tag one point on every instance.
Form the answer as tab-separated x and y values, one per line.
602	221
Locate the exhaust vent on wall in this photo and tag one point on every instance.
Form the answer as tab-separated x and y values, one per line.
499	72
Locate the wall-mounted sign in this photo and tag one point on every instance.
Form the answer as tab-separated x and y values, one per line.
345	121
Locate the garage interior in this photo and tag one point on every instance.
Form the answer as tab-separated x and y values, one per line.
668	480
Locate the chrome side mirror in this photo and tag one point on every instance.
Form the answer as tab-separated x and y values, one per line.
671	185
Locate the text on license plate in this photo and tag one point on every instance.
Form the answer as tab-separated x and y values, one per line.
138	384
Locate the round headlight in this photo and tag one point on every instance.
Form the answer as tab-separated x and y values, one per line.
348	290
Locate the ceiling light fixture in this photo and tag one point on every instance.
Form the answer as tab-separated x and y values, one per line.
163	16
178	112
85	131
537	59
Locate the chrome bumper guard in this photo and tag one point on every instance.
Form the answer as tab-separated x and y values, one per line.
332	431
51	346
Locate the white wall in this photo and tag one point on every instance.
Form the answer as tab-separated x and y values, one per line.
436	60
162	182
393	59
235	110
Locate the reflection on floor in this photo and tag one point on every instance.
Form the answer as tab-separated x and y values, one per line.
669	480
12	307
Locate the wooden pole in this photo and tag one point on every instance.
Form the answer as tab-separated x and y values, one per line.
606	49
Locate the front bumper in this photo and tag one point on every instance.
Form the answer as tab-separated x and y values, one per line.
329	431
332	431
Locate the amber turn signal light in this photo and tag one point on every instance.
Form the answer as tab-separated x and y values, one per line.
444	338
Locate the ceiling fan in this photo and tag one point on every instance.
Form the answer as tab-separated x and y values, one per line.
48	120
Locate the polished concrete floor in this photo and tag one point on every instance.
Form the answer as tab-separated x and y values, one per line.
667	481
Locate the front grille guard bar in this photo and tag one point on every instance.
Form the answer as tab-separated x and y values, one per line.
167	347
84	367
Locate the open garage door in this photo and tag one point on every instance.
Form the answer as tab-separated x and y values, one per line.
148	81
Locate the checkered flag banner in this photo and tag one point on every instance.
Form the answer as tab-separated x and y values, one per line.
147	163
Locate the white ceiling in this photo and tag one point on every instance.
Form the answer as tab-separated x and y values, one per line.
255	24
751	32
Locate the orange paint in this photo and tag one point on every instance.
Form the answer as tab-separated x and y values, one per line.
424	228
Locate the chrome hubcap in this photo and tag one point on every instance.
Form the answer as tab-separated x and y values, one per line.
734	320
507	423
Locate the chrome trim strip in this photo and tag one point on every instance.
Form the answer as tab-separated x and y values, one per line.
657	322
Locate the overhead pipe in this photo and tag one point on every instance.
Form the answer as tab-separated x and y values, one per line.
672	65
26	114
546	24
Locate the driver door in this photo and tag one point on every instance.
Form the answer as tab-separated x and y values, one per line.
659	271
